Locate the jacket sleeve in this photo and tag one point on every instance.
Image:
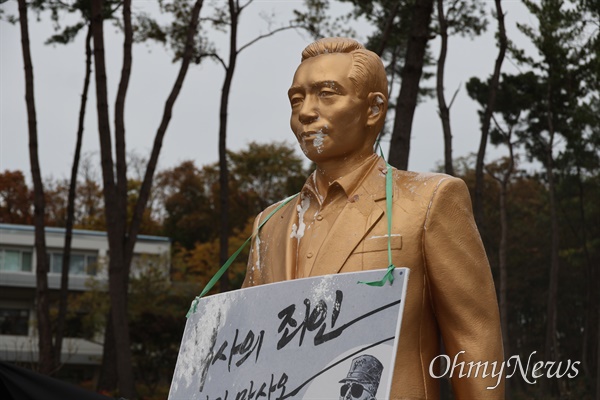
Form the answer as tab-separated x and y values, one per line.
462	291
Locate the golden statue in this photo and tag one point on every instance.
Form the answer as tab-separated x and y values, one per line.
339	99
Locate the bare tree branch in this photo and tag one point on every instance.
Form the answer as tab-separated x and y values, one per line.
504	133
213	20
491	173
454	95
217	57
452	7
244	6
266	35
64	279
160	133
113	10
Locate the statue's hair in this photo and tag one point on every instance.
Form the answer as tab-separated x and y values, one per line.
367	72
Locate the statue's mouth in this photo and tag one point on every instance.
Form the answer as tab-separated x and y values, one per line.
312	134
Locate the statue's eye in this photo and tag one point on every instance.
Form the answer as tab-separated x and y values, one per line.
326	93
294	101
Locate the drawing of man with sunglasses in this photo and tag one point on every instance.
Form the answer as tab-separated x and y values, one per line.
362	380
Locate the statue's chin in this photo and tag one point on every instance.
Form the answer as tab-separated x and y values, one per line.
312	152
315	157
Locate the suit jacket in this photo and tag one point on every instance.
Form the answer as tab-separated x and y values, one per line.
450	288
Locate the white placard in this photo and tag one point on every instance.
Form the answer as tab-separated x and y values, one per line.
310	338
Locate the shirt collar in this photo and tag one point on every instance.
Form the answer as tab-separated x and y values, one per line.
349	182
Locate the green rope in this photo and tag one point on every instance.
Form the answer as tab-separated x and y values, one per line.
389	185
231	259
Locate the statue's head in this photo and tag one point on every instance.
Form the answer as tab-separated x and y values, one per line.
367	71
339	99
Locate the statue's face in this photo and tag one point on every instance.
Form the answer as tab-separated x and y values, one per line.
328	118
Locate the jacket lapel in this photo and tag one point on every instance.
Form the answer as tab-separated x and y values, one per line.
353	223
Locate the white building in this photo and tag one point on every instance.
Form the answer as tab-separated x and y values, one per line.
89	251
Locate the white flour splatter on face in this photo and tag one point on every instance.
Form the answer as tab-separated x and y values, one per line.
303	145
301	140
320	138
318	141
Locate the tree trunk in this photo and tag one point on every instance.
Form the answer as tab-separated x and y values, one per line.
114	222
388	29
587	347
551	346
443	108
118	277
64	281
46	362
411	76
487	117
111	350
503	265
223	168
598	340
120	145
503	268
108	370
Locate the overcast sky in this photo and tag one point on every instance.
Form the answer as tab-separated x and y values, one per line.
258	110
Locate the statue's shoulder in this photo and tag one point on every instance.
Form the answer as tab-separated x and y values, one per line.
420	177
423	183
277	208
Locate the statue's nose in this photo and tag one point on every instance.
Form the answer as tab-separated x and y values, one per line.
308	112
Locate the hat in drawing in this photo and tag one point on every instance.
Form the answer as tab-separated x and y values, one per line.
365	369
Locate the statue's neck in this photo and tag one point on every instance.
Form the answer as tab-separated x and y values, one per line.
328	171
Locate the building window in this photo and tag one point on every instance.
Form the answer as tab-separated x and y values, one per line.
79	264
15	260
14	321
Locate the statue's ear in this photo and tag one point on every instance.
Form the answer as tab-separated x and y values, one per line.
377	109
